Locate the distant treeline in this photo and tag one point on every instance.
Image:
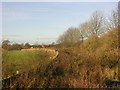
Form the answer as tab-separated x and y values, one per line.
7	46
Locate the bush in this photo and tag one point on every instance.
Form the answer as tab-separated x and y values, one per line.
58	71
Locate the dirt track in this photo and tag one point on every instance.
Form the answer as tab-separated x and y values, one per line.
54	52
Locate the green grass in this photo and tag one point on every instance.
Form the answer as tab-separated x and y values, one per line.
23	60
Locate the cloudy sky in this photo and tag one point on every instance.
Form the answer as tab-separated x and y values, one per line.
43	22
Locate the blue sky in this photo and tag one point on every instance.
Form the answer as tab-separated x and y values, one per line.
43	22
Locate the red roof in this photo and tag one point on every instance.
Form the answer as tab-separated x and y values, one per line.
43	46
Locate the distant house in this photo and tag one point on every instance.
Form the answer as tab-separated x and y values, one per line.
36	46
31	47
43	46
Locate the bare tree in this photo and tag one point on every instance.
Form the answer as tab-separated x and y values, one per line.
6	44
112	21
27	45
72	35
96	22
92	26
61	38
84	30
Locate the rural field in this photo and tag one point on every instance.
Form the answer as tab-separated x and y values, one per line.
61	45
23	60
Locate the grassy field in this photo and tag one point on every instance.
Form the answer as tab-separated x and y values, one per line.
22	61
